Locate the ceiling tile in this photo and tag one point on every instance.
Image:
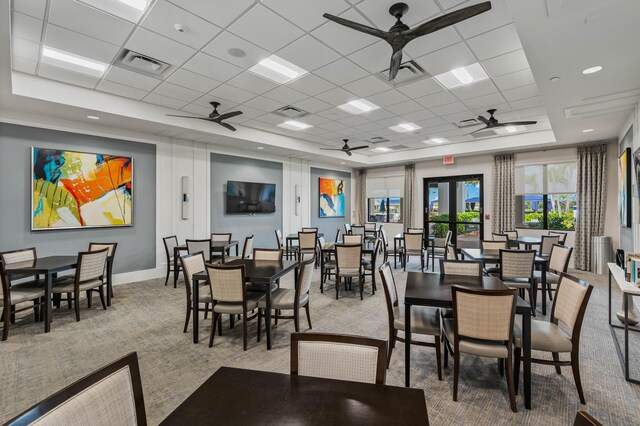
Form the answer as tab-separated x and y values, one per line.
66	76
249	112
213	11
163	16
437	99
459	116
526	103
367	86
450	4
390	97
121	90
89	21
252	26
341	38
313	105
308	53
515	79
193	81
377	114
197	109
431	122
337	96
486	101
26	27
334	114
306	14
341	72
481	88
423	87
311	84
131	79
177	92
230	93
35	8
285	94
78	44
211	67
252	82
332	126
447	59
264	104
164	101
159	47
495	43
521	93
353	121
487	21
378	12
313	119
25	49
405	107
374	58
432	42
453	108
226	41
24	65
502	107
370	127
419	115
271	119
507	63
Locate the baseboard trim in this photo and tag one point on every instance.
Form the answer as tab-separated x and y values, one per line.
142	275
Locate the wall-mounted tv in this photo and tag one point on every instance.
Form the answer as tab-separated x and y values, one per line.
250	197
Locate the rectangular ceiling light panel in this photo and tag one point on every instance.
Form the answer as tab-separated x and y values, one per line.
435	141
358	106
277	69
131	10
294	125
61	59
405	127
462	76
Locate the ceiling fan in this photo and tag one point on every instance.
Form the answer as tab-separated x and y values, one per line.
346	149
400	34
214	117
492	122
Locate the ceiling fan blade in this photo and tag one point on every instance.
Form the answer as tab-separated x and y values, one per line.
227	126
332	149
477	130
394	67
484	120
358	147
228	115
356	26
448	19
181	116
517	123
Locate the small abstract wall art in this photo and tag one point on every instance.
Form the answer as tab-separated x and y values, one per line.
80	190
624	187
331	197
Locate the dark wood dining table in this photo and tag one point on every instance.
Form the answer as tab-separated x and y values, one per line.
528	241
493	256
247	397
265	272
294	237
429	240
216	247
435	290
49	266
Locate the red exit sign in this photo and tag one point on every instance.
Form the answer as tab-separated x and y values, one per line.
448	160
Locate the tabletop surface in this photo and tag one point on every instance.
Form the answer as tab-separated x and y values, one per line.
258	270
526	239
43	264
214	244
435	289
295	236
481	254
238	396
401	236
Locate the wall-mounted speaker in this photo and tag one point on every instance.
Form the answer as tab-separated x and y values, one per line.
297	199
186	183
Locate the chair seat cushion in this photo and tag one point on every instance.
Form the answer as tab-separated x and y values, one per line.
329	264
551	277
349	272
282	298
492	270
68	286
424	320
414	252
235	307
545	336
516	282
24	293
476	346
204	294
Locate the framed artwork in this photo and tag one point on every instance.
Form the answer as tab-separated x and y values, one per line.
331	197
71	189
624	187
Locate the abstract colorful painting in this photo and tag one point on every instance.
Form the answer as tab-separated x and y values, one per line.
331	197
77	189
624	187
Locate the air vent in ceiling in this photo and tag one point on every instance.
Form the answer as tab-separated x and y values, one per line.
141	63
377	139
409	72
468	123
290	112
483	134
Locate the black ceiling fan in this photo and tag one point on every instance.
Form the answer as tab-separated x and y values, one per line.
400	34
492	122
345	148
214	117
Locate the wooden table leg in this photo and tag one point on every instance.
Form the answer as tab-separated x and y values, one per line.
195	295
267	313
395	253
47	306
407	344
526	367
109	282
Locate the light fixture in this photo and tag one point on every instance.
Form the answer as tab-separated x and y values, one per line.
62	59
405	127
136	4
509	130
277	69
554	78
93	117
462	76
131	10
342	162
435	141
260	147
294	125
592	70
180	28
587	130
358	106
382	149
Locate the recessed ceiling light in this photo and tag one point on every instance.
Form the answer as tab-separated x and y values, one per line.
592	70
136	4
382	149
277	69
342	162
405	127
294	125
260	147
62	59
180	28
358	106
435	141
554	78
509	130
131	10
587	130
462	76
93	117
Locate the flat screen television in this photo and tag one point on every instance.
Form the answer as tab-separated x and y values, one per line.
250	197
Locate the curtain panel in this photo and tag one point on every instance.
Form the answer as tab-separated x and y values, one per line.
361	190
503	193
408	206
591	192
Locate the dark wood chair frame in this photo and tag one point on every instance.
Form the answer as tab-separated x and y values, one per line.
550	290
188	289
9	310
280	251
532	284
455	250
228	234
110	261
562	235
35	256
246	255
57	399
349	279
544	237
169	254
280	241
341	338
585	419
374	258
443	261
301	249
208	256
403	251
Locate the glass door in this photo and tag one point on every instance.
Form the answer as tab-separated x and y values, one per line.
456	204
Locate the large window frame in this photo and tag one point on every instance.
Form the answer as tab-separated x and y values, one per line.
387	201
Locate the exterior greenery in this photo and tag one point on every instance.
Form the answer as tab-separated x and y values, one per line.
563	221
440	228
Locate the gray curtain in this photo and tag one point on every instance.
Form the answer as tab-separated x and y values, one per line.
408	206
361	190
591	191
503	193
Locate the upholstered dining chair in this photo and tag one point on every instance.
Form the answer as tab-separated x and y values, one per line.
482	325
370	231
328	262
291	251
369	264
324	355
358	230
558	263
349	266
452	252
309	229
413	246
109	396
111	254
385	243
493	245
17	256
562	235
415	230
424	320
200	246
471	268
247	250
512	236
169	244
347	228
89	277
14	294
546	243
286	299
569	306
439	246
221	238
267	254
499	237
516	271
307	242
192	264
352	239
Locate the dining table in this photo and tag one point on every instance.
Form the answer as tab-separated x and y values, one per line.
493	256
435	290
49	267
216	247
250	397
528	241
429	240
265	272
294	237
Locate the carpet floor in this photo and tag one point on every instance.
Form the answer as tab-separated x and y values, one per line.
148	318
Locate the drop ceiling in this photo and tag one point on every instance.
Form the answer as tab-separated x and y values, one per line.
343	65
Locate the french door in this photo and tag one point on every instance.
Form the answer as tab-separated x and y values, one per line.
455	203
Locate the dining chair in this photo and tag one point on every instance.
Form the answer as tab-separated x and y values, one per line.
282	246
369	265
221	238
192	264
413	246
347	228
516	271
14	294
370	226
338	357
200	246
562	235
267	254
17	256
169	244
286	299
439	247
493	245
89	277
352	239
247	250
230	296
385	243
307	242
482	325
349	266
470	268
110	254
558	263
452	252
111	395
370	231
425	320
415	231
512	236
585	419
569	306
327	262
499	237
546	243
310	229
358	230
337	238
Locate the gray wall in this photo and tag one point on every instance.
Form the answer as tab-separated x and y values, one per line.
626	234
136	244
328	225
263	225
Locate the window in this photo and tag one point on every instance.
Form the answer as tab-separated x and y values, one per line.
387	210
546	196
